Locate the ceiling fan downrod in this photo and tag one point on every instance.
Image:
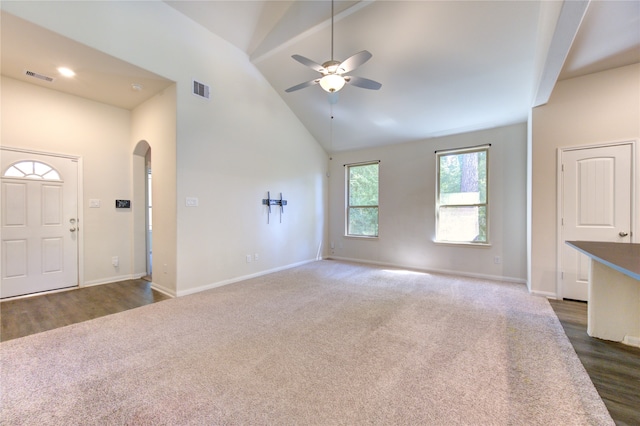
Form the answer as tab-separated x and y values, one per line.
332	71
332	31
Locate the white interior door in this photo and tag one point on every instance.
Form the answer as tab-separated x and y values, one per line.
596	197
39	223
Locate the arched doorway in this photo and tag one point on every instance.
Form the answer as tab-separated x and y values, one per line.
143	217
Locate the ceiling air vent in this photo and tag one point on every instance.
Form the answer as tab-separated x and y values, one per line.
201	89
39	76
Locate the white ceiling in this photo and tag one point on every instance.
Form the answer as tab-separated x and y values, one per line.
100	77
445	66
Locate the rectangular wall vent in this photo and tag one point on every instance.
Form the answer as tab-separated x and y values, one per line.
39	76
201	89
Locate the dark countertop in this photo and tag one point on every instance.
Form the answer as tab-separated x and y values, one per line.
623	257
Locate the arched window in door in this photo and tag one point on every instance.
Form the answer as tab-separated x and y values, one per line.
32	170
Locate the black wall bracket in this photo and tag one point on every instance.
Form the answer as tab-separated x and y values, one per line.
274	202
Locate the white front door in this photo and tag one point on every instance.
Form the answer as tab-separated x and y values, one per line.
39	223
596	197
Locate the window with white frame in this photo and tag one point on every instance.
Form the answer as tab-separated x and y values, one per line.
362	199
462	206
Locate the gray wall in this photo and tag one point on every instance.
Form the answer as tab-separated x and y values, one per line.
407	207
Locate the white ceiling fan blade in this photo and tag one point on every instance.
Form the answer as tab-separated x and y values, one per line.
309	63
365	83
303	85
354	61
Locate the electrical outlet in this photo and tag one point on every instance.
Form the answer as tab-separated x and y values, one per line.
248	258
497	260
115	261
256	257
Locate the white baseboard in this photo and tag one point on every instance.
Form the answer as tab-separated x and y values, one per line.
163	290
547	294
436	271
631	341
241	278
154	286
111	280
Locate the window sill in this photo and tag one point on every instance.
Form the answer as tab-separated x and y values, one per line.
362	237
462	244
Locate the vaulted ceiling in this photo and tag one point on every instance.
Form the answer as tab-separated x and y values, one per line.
445	66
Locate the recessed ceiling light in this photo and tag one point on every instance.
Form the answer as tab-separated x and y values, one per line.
66	72
136	87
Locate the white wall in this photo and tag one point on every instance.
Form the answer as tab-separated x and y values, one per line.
597	108
40	119
407	207
229	151
154	122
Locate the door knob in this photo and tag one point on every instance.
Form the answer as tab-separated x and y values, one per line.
72	229
623	234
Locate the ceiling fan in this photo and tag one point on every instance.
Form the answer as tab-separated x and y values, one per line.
333	72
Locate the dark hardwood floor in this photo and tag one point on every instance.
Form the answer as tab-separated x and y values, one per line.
614	368
30	315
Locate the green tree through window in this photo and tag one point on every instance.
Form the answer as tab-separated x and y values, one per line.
362	209
461	199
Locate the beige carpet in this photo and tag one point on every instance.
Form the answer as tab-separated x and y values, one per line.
323	344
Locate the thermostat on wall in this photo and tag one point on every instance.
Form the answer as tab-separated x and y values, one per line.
123	204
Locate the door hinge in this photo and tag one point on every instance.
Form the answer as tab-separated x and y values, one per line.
562	275
562	167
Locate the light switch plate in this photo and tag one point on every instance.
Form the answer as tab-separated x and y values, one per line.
192	202
94	203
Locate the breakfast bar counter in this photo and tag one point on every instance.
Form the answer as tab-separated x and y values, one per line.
614	290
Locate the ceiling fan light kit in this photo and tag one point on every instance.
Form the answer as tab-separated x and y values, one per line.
332	82
332	71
